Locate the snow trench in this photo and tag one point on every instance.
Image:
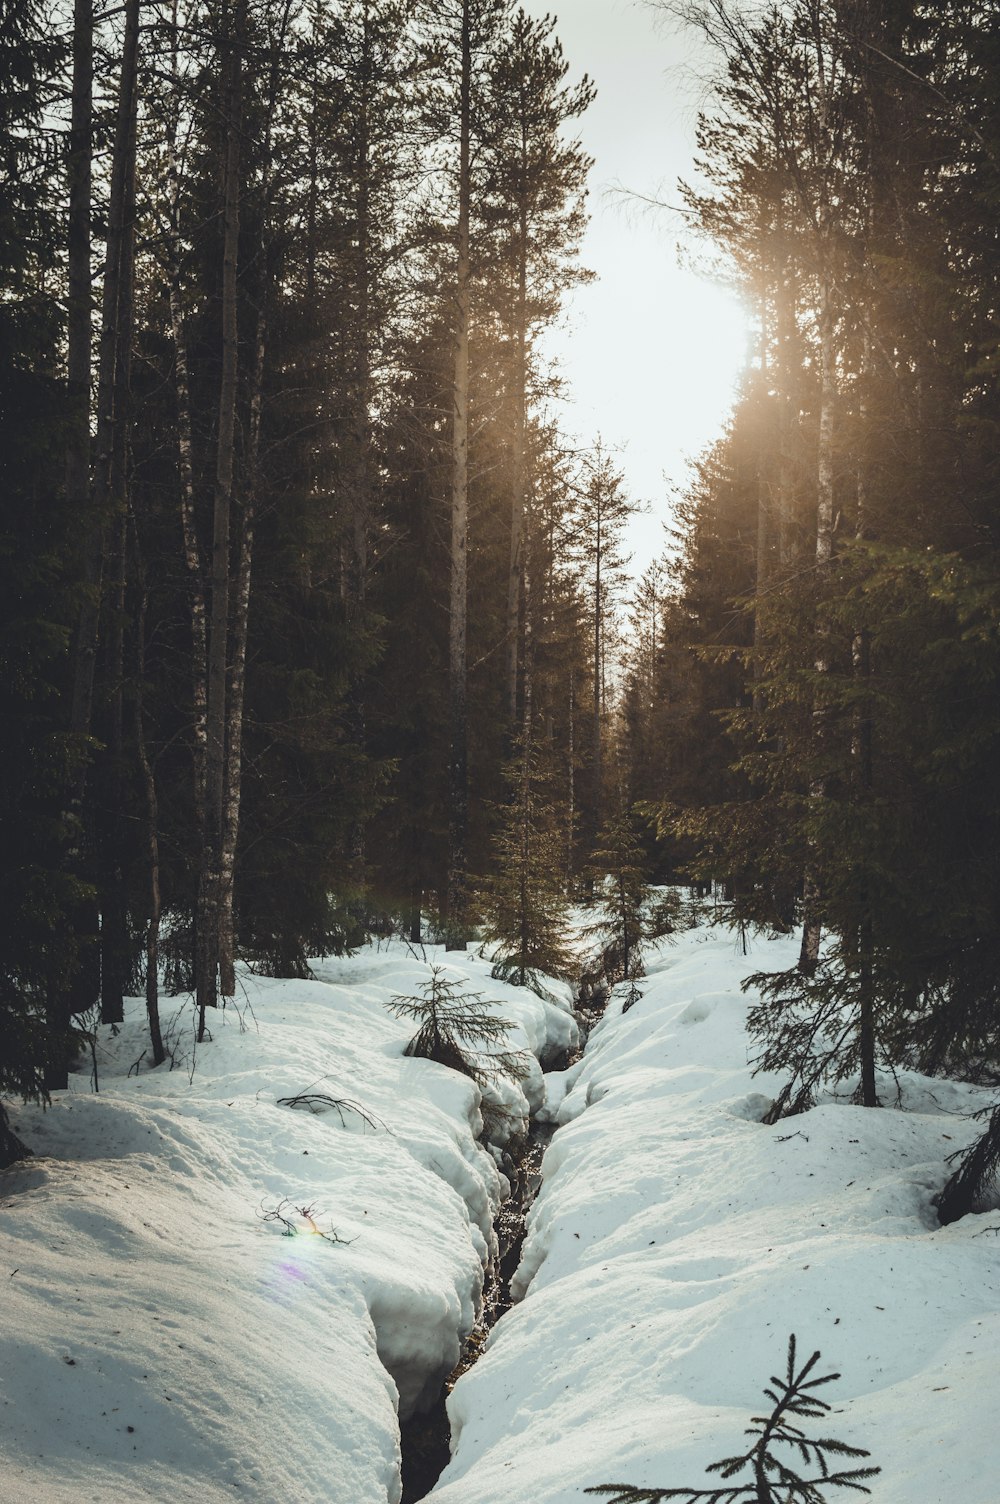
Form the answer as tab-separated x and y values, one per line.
161	1336
677	1242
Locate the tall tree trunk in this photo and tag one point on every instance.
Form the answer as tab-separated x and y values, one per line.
78	330
361	480
861	749
114	904
237	688
597	707
233	768
152	844
785	329
458	792
764	505
208	918
83	988
185	457
518	457
812	899
571	780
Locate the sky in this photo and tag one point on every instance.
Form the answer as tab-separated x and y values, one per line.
650	350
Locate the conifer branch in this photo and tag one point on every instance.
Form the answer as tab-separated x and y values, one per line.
790	1396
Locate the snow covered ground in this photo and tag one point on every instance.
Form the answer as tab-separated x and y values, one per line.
676	1243
159	1340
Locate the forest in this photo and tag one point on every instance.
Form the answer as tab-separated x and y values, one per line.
316	625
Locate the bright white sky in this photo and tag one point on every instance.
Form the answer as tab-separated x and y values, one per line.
650	350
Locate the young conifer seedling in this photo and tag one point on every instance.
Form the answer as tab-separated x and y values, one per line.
456	1031
772	1480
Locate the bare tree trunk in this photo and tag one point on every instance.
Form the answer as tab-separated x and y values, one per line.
519	459
861	749
597	740
83	988
361	498
234	737
208	918
458	792
785	322
764	506
114	905
812	899
571	780
152	847
115	332
185	447
78	331
78	336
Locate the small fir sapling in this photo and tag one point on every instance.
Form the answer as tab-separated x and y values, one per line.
810	1026
771	1481
525	905
457	1032
627	916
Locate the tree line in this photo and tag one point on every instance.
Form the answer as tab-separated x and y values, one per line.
310	615
816	721
305	593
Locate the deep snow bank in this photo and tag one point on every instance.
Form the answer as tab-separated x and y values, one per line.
158	1339
676	1243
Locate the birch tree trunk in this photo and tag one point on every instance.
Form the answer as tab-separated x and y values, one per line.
114	904
82	990
78	331
185	456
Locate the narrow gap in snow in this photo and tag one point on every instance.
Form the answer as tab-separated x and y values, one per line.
425	1439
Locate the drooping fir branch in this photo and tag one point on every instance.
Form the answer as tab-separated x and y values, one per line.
772	1480
808	1026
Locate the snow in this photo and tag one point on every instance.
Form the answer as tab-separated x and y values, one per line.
676	1243
160	1340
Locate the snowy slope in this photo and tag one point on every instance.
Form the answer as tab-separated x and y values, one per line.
676	1242
158	1339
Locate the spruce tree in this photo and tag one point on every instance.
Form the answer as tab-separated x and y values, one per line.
773	1480
456	1031
623	897
524	902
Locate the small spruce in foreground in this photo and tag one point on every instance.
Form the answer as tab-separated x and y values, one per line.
454	1029
771	1481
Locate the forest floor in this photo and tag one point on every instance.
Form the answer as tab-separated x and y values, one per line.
162	1339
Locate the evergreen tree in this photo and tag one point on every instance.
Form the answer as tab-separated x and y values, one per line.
525	904
39	593
455	1031
773	1480
623	897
